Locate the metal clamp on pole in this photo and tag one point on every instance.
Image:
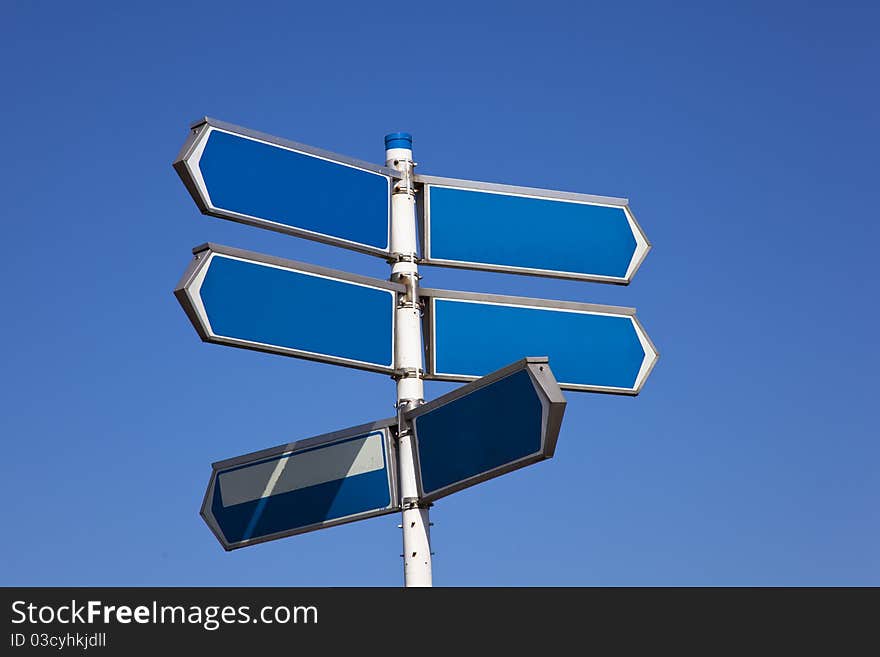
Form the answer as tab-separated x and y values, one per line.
406	184
408	373
403	257
416	503
407	302
402	426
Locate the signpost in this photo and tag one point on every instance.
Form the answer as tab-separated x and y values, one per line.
299	487
593	348
500	421
253	178
507	420
244	299
521	230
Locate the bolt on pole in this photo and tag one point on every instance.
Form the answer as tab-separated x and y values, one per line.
408	357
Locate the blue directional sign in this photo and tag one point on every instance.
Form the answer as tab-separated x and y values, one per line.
265	181
521	230
592	348
507	420
249	300
299	487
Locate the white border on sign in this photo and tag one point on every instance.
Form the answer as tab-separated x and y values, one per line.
648	361
639	253
194	292
193	161
332	438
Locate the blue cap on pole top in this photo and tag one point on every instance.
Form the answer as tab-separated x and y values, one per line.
398	140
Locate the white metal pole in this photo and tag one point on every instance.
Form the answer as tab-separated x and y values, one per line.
408	357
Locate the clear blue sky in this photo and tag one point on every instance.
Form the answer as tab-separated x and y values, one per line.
745	136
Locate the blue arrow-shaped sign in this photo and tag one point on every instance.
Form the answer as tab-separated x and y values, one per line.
504	421
253	178
245	299
593	348
311	484
523	230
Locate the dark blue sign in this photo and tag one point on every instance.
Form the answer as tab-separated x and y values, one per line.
530	231
592	348
311	484
245	299
234	173
506	420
